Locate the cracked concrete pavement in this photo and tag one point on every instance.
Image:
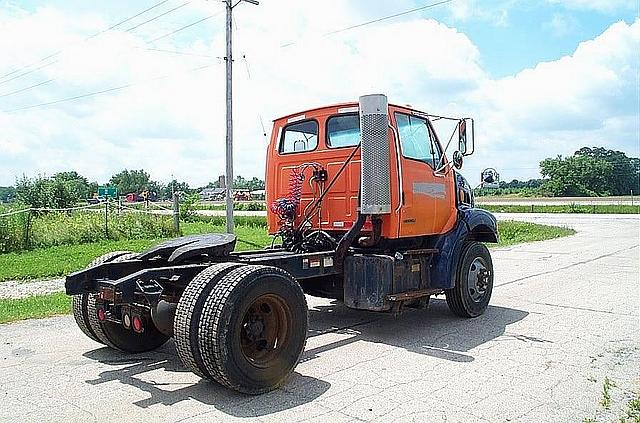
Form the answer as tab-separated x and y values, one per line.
564	315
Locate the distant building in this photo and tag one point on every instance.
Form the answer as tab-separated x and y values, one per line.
258	194
212	194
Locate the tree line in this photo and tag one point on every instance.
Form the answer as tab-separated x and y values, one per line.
65	189
589	172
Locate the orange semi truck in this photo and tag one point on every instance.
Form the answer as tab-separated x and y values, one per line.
364	207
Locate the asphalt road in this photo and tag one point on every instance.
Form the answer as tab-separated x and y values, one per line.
564	315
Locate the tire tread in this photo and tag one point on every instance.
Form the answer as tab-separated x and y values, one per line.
213	330
188	315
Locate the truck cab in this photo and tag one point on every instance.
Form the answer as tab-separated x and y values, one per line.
423	189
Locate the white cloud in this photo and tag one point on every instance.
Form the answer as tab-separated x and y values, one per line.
497	14
607	6
561	24
175	125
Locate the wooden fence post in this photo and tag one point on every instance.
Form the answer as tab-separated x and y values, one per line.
176	214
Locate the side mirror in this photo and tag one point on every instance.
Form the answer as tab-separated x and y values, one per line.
466	143
457	159
490	178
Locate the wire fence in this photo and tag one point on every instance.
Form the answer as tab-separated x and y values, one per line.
36	227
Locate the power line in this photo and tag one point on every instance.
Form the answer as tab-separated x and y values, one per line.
95	93
395	15
182	53
129	19
246	65
94	36
158	16
110	28
383	18
29	71
26	88
184	27
88	38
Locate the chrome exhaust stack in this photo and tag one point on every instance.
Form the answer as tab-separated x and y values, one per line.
375	184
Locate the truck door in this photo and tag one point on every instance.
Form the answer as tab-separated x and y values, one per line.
427	197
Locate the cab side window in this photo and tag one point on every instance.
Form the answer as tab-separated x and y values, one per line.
343	130
416	139
299	137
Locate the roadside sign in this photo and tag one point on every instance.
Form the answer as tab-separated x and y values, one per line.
108	192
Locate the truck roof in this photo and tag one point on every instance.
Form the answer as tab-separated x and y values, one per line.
346	105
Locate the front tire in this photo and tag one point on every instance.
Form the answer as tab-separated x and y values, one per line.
253	328
474	281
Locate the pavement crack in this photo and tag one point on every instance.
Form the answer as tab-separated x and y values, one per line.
584	309
569	266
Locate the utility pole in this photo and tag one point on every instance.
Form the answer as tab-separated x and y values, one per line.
229	145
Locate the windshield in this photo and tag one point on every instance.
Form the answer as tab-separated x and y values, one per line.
417	140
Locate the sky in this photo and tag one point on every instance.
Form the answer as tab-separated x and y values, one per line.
541	78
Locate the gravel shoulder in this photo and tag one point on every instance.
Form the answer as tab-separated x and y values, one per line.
22	289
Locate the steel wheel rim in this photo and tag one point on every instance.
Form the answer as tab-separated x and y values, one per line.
478	279
265	330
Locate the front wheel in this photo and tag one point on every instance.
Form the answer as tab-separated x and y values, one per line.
474	281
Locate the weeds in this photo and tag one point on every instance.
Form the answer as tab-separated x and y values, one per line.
605	401
633	410
27	231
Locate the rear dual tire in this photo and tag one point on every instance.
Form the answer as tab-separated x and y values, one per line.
242	326
111	334
82	309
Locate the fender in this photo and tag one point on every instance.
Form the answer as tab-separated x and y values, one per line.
473	225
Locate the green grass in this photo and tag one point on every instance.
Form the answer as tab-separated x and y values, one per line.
34	307
633	410
605	401
63	259
513	232
27	231
568	208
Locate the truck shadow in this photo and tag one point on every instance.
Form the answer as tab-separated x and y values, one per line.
433	332
144	371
